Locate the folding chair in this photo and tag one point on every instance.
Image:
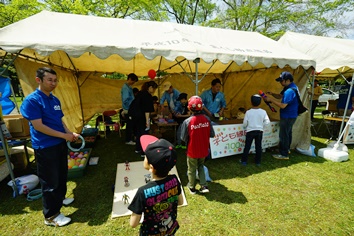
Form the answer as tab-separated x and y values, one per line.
109	120
325	113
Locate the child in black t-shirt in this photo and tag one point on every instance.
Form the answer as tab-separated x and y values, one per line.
159	198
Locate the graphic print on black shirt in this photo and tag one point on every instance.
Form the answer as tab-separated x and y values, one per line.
158	201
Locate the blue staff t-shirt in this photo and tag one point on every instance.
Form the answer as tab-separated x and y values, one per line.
127	96
38	105
289	97
214	105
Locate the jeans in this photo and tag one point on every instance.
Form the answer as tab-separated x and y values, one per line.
285	135
195	164
52	169
257	135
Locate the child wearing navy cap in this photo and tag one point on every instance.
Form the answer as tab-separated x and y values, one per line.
159	198
254	122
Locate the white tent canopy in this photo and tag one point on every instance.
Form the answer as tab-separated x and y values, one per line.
82	48
334	56
155	45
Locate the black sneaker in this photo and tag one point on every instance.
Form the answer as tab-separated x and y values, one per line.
192	190
204	189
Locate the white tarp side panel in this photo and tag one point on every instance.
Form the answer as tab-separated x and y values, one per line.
68	92
104	37
100	94
330	53
302	127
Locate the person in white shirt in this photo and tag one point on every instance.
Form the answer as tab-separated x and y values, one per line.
254	122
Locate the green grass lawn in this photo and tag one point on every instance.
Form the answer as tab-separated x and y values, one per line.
302	196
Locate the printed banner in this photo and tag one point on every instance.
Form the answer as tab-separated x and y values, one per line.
230	139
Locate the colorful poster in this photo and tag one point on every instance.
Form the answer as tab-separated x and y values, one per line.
230	139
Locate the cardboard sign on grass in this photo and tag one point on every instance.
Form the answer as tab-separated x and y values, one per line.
136	178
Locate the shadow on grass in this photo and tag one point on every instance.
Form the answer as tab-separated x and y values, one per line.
230	167
93	192
222	194
18	205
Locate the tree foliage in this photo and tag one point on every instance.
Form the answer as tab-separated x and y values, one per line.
13	11
192	12
133	9
269	17
273	17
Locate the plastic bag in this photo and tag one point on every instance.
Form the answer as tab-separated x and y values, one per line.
24	184
341	146
309	152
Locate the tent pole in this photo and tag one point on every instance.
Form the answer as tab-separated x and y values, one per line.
3	59
7	66
13	94
5	146
346	105
312	86
196	81
78	88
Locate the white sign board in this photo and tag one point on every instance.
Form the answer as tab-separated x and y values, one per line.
230	139
348	137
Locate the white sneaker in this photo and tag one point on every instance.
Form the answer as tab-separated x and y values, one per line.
130	143
58	221
68	201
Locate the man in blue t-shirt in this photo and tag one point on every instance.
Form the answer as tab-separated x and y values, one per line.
343	96
170	95
127	95
49	135
288	112
214	100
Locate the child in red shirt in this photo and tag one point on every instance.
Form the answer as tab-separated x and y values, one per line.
196	132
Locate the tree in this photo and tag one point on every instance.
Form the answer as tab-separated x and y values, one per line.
273	17
134	9
192	12
269	17
13	11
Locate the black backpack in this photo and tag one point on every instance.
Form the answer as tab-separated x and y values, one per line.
301	108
